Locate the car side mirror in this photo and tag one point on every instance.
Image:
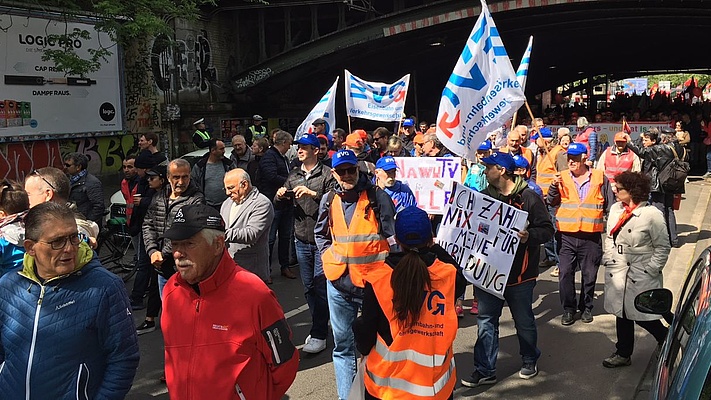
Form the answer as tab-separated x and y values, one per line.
654	301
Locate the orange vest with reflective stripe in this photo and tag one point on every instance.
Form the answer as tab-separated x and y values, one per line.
358	246
419	363
616	163
546	168
581	216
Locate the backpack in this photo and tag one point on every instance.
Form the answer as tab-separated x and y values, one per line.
344	283
673	175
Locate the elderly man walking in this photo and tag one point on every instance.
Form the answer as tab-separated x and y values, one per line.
248	215
65	322
225	333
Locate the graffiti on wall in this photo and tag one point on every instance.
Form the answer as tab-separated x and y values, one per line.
185	65
252	78
142	108
105	154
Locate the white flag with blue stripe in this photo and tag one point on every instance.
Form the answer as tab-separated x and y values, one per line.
325	108
522	72
376	101
482	92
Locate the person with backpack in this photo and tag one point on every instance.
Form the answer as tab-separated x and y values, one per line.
354	232
655	157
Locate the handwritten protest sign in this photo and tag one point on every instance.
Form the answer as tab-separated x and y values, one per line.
481	234
430	179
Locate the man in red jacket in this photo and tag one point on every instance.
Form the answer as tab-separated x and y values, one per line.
225	333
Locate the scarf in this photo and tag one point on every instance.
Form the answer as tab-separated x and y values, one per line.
75	178
626	215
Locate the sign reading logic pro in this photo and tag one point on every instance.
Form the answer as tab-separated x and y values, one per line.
36	98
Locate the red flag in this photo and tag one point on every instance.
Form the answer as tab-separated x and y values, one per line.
625	126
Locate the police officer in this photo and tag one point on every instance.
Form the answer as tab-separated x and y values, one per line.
201	137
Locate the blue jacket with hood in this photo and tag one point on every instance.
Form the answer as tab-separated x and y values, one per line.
71	337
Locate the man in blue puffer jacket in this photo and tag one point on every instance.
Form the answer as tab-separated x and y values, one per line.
66	330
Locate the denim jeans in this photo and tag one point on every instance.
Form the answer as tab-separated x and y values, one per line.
343	312
283	223
708	160
551	246
314	281
161	284
665	203
520	300
143	269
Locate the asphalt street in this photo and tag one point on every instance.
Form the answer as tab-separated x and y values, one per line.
570	365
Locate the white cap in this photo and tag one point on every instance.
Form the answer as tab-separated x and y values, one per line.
200	121
257	117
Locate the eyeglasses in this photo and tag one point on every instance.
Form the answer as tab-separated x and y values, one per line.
66	164
35	172
346	171
60	243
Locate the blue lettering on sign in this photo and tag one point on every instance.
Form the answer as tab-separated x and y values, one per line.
378	92
439	307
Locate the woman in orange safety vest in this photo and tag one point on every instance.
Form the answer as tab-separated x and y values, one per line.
408	323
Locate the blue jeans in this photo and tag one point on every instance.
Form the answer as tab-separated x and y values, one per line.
283	223
708	160
161	284
486	349
343	311
551	245
314	281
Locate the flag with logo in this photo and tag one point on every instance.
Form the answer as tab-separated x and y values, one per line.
522	71
325	108
481	94
376	101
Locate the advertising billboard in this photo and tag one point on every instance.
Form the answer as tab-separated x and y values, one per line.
37	99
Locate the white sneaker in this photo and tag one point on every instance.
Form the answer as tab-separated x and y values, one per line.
313	345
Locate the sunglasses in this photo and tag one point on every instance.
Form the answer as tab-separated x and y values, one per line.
346	171
35	172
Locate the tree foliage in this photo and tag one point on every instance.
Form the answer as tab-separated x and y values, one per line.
678	79
123	20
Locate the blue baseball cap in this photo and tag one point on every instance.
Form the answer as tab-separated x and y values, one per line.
310	140
484	146
504	160
521	161
386	163
546	133
343	157
413	227
576	149
408	122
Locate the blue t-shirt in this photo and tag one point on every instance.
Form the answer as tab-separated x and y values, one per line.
401	195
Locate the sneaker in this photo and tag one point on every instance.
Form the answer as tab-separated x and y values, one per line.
556	272
145	327
528	371
313	345
477	380
459	310
567	318
547	263
587	316
475	308
137	305
616	360
706	175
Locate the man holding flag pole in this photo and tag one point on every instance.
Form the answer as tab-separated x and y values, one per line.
482	93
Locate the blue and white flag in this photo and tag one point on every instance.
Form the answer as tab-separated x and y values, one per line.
522	71
375	100
325	108
482	92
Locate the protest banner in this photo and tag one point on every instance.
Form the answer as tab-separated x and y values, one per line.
325	108
606	131
481	233
430	179
481	94
375	100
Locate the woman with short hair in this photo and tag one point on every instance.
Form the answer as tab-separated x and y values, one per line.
636	250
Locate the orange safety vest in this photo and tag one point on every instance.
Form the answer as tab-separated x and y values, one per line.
546	168
581	216
616	163
419	363
128	196
357	247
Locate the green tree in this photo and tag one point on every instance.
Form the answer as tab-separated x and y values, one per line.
125	21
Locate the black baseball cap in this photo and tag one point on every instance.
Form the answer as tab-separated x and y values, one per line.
191	219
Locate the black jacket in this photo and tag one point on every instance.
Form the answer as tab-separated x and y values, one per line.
273	171
306	207
654	159
540	229
139	211
88	195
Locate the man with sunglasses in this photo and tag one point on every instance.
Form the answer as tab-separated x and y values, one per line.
353	233
66	325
